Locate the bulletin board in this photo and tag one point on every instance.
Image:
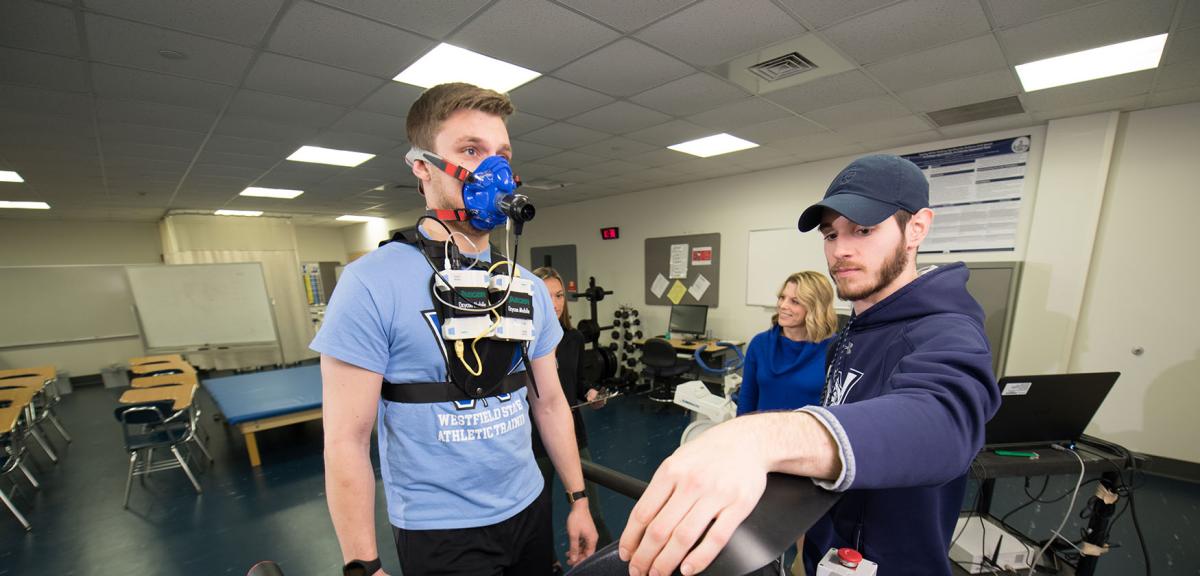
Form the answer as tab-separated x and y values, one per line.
683	270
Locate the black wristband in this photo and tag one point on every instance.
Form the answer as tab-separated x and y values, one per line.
361	567
573	497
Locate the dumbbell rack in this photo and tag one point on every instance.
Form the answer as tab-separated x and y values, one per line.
627	327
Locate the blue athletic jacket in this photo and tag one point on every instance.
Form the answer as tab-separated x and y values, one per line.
914	389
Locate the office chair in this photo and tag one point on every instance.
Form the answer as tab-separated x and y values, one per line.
662	364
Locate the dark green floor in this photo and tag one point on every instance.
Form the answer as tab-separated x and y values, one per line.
278	512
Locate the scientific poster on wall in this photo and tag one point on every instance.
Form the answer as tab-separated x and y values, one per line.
976	192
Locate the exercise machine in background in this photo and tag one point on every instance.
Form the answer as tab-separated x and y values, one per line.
611	366
711	409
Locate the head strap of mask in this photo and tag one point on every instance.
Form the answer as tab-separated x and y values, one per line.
489	198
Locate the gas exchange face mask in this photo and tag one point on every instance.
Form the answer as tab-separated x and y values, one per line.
488	193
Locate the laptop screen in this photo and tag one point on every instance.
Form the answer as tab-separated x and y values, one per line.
1046	409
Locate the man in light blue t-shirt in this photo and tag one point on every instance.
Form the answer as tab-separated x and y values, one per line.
460	479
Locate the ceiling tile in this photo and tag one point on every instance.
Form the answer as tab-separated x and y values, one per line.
989	125
858	112
1112	88
235	20
151	114
1173	97
528	151
1191	15
889	128
1088	27
1178	76
714	31
239	160
363	122
549	35
256	128
957	60
125	43
127	84
627	16
393	98
113	132
906	27
820	146
42	70
821	13
521	123
38	26
737	114
29	99
620	117
690	94
669	133
660	157
623	68
1182	46
284	109
571	160
776	130
149	152
353	141
618	148
284	75
825	92
563	135
1009	13
433	18
553	98
1126	103
333	37
961	92
220	170
533	170
248	146
51	125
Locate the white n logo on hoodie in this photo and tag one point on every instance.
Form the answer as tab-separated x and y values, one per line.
845	386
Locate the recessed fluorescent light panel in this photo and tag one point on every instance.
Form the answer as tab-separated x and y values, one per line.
238	213
448	63
1102	62
271	192
318	155
25	205
10	176
353	218
713	145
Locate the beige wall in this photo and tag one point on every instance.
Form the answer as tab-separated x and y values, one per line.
50	242
320	244
1142	285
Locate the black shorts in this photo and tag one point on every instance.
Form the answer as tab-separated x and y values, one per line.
520	546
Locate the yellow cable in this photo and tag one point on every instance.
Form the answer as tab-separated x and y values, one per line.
459	348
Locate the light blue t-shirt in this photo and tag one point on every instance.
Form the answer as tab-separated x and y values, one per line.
447	465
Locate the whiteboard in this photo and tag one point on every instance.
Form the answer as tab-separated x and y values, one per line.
776	253
193	305
59	304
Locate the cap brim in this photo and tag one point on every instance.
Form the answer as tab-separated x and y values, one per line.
858	209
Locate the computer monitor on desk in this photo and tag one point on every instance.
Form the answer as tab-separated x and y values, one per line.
688	319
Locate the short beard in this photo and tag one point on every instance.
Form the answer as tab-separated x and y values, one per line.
891	269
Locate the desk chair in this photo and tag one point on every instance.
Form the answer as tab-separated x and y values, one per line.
12	458
661	362
45	380
145	428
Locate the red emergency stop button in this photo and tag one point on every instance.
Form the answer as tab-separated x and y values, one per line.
849	557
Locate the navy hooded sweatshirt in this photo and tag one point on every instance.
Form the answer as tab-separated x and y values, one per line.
914	390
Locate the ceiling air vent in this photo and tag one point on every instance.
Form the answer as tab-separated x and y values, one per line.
781	67
977	111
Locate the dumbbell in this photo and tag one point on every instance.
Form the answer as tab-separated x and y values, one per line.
616	335
634	312
612	347
631	362
637	322
638	334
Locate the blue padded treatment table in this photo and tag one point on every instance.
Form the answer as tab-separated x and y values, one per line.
269	399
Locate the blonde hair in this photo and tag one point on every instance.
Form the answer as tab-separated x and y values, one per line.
816	295
436	104
546	272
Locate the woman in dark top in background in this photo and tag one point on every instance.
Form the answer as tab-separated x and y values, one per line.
570	374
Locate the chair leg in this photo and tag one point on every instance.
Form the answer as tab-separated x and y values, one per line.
58	425
29	476
41	440
203	448
186	470
15	512
129	479
149	463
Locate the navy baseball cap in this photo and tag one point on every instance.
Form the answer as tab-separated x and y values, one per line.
869	190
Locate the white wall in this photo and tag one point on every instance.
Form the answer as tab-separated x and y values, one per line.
320	244
51	242
1142	286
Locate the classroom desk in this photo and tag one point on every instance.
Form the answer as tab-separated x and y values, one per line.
163	380
162	367
161	358
19	400
9	416
180	394
988	466
269	399
36	383
44	372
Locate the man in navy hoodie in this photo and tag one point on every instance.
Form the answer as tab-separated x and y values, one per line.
908	392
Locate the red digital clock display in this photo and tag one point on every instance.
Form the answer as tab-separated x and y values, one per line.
610	233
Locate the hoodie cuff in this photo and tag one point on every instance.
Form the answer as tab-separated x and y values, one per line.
845	451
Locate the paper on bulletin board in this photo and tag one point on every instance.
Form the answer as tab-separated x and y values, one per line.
679	262
702	256
677	292
699	287
659	286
